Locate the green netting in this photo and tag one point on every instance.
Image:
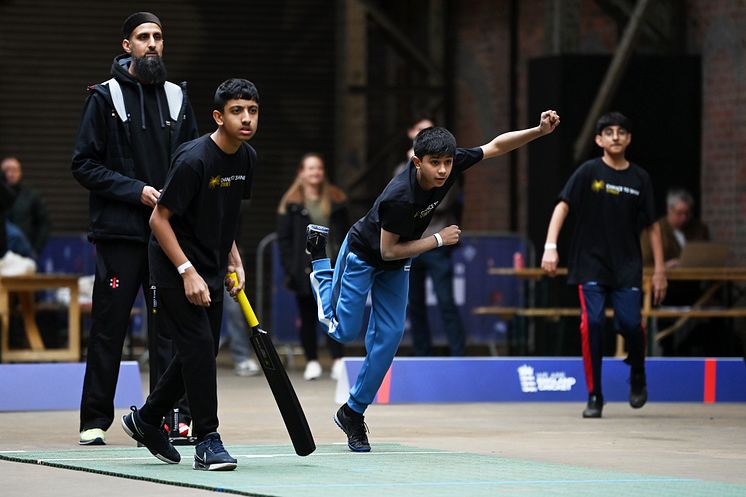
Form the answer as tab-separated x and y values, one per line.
389	470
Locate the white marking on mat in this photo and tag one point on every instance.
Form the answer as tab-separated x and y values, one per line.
248	456
460	483
347	454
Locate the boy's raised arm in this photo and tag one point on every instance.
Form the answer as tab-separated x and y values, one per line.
506	142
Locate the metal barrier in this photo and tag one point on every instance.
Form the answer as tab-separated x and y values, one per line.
259	289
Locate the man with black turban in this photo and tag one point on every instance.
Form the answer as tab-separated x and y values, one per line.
131	126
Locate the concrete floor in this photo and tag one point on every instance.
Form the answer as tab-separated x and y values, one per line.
706	442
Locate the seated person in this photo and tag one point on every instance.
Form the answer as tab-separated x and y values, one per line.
677	228
17	241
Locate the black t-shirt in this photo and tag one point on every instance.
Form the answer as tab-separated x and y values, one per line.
404	208
611	208
203	191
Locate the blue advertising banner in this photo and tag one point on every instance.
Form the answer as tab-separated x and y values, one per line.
544	379
57	386
72	254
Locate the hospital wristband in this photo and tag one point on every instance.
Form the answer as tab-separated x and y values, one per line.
182	269
438	239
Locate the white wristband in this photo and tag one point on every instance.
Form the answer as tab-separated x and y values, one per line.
438	239
550	246
182	269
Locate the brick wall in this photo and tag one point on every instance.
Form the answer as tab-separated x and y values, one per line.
482	86
482	110
717	30
597	34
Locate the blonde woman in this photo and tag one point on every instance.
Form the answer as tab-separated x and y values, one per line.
311	199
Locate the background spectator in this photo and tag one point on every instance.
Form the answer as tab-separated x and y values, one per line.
677	227
311	199
7	196
29	211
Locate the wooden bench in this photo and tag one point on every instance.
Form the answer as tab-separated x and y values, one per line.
25	287
531	312
697	310
557	312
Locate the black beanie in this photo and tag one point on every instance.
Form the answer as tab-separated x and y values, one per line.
136	19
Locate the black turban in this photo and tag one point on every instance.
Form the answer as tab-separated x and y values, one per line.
136	19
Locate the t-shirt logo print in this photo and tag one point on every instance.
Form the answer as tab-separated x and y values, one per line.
597	185
225	181
424	212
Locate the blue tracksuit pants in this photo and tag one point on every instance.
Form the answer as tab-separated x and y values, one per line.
341	294
627	303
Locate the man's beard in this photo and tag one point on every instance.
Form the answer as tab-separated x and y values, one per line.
149	70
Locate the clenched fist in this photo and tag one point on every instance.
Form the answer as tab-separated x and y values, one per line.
549	121
450	234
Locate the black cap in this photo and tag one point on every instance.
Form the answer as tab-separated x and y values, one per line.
136	19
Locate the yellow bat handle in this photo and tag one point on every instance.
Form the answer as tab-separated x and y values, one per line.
243	301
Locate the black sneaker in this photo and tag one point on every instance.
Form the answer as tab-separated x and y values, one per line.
210	455
316	241
355	429
638	390
151	436
595	406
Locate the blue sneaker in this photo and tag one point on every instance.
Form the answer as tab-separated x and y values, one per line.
151	436
316	241
210	455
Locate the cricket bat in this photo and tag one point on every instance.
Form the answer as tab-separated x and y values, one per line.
279	383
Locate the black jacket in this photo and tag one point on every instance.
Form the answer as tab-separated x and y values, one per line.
104	163
291	238
7	197
29	213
